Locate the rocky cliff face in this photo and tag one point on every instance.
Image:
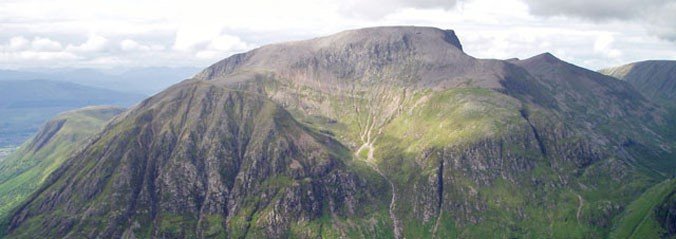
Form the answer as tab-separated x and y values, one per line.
666	215
198	160
408	56
611	112
378	132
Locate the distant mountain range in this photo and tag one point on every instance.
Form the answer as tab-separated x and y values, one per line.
27	104
145	81
386	132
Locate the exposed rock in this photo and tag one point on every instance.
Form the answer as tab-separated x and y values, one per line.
437	144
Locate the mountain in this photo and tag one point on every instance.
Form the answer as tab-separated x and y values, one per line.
146	80
655	79
24	170
250	155
653	214
608	110
388	132
27	104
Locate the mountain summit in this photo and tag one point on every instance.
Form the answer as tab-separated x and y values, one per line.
390	132
408	56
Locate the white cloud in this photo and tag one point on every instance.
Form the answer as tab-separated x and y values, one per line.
375	9
126	33
45	44
228	43
604	45
45	56
93	44
656	15
18	43
32	58
131	46
223	45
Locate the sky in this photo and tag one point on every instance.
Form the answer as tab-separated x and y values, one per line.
197	33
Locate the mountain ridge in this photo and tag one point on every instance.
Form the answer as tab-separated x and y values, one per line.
655	78
30	165
392	134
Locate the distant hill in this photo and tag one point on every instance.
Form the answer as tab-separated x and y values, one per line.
27	104
147	81
24	170
655	79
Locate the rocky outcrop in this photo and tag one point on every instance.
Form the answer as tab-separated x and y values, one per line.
666	215
437	144
404	56
212	160
464	169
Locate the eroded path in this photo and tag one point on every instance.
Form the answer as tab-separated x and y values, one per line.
368	145
579	207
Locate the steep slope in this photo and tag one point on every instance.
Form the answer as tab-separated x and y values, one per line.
575	87
24	170
436	144
438	122
652	215
364	59
27	104
610	111
655	79
199	160
365	76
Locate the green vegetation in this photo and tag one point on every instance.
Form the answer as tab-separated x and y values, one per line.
6	151
22	172
452	117
358	143
639	220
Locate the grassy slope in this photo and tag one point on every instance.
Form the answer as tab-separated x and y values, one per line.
436	119
638	220
453	117
23	171
441	119
18	124
457	117
5	151
251	218
463	116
